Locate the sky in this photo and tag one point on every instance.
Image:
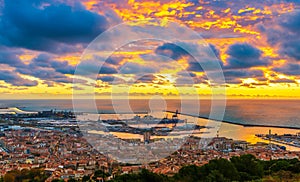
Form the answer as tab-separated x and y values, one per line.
255	43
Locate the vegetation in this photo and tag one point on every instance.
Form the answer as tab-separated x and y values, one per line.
143	176
242	168
33	175
101	174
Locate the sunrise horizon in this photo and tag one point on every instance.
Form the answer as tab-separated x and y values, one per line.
42	63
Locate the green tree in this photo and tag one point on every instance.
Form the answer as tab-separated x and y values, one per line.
224	167
188	173
58	180
248	166
100	173
85	178
72	180
280	165
216	176
148	176
143	176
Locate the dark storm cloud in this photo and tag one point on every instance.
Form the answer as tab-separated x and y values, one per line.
284	32
210	65
15	79
195	66
107	69
291	48
46	74
290	41
283	80
210	56
111	79
88	67
186	74
171	50
107	78
114	60
42	60
43	67
135	68
291	21
186	80
94	66
46	68
63	67
156	57
211	61
146	79
243	55
243	73
243	51
289	69
215	50
10	57
235	76
189	78
47	61
40	26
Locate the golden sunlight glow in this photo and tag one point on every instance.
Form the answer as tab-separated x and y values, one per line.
220	26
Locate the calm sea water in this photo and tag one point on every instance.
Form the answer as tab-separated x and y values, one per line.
247	111
261	112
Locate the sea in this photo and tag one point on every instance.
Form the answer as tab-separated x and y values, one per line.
267	112
277	112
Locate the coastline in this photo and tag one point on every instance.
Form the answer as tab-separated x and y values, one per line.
235	123
248	132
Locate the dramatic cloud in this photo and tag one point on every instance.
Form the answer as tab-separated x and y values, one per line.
46	68
171	50
135	68
284	33
289	69
47	61
210	60
243	55
283	80
111	79
156	57
291	49
63	67
47	74
45	26
146	79
209	56
235	76
44	39
114	60
215	50
10	57
107	69
186	74
107	78
290	46
291	21
94	66
15	79
189	81
209	65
